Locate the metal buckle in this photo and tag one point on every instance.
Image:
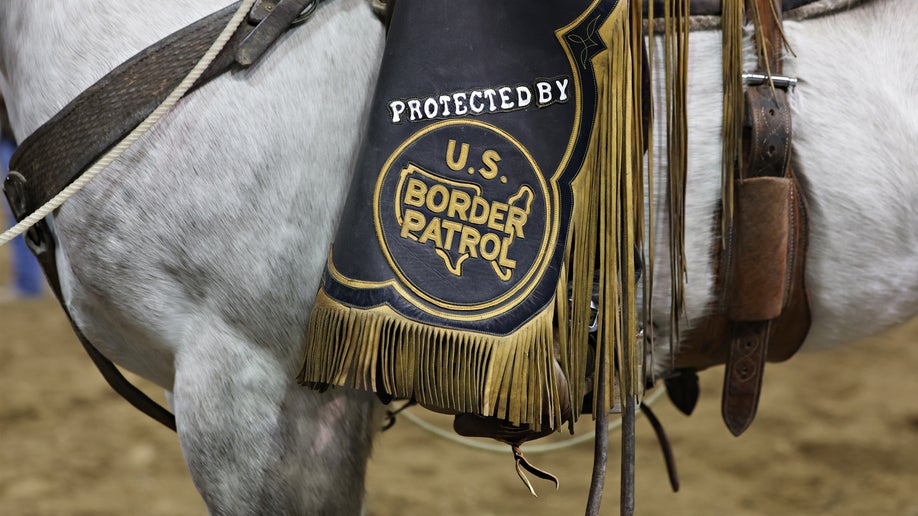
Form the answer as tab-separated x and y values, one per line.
779	81
271	18
305	13
263	8
39	236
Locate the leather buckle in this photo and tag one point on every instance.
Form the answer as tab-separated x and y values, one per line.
38	236
271	19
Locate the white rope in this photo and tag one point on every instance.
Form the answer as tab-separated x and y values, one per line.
469	442
138	131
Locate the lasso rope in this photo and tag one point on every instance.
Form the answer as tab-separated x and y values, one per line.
138	131
503	448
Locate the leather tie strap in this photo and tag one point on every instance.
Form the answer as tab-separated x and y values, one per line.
762	312
766	255
749	335
743	376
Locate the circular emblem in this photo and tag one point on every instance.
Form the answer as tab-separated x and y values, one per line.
463	216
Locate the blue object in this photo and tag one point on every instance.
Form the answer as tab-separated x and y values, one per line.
28	279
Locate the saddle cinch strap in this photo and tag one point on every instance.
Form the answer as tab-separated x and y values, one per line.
763	313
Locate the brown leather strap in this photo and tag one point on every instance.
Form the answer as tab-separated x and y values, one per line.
744	372
763	313
764	240
272	18
758	289
58	151
748	345
769	119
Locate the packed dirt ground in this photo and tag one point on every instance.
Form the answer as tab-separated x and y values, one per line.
836	433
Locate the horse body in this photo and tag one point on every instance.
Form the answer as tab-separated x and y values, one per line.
193	260
856	131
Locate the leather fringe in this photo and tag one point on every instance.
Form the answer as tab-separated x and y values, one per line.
511	377
606	187
734	106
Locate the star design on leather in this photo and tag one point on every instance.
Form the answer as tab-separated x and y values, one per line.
587	43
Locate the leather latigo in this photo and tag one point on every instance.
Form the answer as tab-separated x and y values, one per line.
770	311
763	310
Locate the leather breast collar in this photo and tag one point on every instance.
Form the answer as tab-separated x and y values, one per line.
58	151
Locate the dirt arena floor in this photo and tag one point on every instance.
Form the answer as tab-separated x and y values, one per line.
836	434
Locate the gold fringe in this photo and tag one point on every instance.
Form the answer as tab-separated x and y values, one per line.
673	28
610	219
637	165
734	106
648	242
509	377
675	43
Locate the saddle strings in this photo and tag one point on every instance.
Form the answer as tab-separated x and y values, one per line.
734	107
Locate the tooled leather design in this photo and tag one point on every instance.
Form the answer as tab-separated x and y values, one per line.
770	129
744	373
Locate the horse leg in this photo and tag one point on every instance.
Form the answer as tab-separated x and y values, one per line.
257	443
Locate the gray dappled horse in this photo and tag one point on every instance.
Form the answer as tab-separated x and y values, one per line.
193	260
